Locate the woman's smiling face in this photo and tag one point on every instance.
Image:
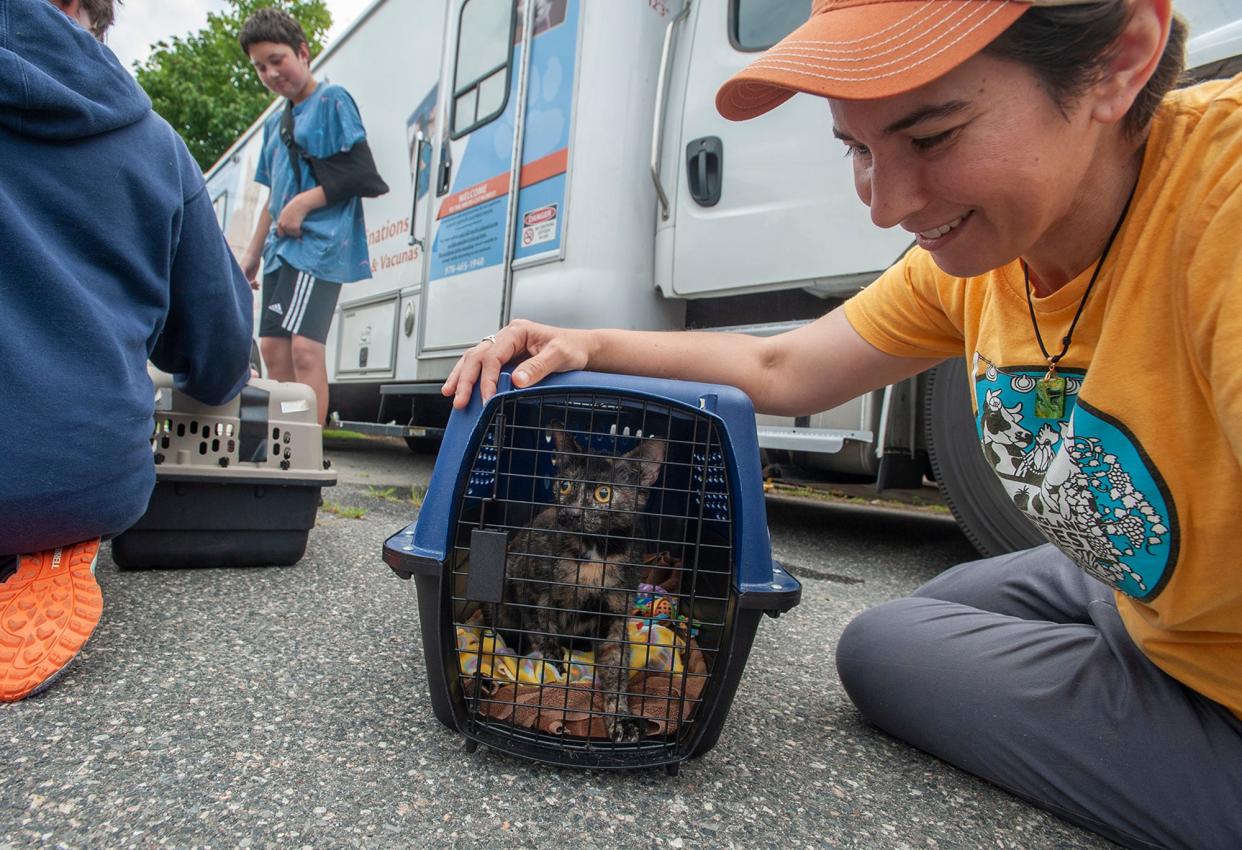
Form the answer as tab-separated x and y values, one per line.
981	164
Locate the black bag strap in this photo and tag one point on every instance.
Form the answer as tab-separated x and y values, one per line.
341	175
295	150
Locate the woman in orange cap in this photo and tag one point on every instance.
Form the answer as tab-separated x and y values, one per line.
1078	241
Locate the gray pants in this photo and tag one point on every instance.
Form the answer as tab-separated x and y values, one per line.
1019	670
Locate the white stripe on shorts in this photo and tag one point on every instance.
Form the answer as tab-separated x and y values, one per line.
305	304
297	304
293	300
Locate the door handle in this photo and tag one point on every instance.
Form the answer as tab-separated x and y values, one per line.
704	170
446	168
657	124
419	141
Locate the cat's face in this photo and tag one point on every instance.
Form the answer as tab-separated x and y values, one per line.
602	495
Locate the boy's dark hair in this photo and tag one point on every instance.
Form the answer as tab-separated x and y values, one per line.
1068	47
274	25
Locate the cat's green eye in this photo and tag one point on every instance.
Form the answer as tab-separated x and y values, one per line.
602	494
565	487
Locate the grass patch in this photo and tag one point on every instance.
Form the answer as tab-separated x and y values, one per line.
415	495
833	495
342	434
343	511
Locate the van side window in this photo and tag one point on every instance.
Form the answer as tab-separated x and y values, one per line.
758	24
484	51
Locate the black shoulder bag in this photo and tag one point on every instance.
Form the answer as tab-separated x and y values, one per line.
350	174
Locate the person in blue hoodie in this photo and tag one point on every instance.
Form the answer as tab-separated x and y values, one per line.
112	256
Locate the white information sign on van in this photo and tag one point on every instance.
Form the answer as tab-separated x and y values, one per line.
539	225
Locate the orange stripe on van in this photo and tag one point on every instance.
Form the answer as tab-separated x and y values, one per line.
549	166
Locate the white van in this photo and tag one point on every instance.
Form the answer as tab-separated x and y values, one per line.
563	161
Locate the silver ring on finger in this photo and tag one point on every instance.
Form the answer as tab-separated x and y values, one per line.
489	338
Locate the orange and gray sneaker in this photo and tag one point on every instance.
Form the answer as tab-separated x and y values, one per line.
49	605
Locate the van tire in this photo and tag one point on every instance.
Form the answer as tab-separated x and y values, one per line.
979	502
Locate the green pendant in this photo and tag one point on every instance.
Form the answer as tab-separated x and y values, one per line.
1050	397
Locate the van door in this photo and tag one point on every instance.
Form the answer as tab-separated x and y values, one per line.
767	202
391	62
471	219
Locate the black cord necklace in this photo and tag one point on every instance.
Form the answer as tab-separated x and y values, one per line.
1050	389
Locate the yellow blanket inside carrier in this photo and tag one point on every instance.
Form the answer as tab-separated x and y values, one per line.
667	674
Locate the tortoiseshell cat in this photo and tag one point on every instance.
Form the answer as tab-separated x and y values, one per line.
572	573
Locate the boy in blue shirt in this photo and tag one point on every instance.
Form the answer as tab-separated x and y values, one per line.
95	281
314	245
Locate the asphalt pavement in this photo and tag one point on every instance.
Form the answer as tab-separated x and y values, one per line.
288	708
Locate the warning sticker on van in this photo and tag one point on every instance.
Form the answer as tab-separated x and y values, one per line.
539	225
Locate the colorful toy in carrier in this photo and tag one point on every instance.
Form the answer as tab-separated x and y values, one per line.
235	485
591	562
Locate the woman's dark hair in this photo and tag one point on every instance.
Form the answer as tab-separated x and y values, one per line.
101	13
274	25
1068	48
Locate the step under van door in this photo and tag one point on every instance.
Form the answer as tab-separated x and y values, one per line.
472	181
769	201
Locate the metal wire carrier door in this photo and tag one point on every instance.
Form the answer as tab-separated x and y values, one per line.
591	590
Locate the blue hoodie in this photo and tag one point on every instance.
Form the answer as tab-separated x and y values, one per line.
110	254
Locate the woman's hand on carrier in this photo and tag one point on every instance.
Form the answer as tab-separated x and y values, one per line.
547	349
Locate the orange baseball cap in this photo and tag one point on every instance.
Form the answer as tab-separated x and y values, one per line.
866	49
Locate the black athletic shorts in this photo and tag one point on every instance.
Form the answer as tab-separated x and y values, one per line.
294	302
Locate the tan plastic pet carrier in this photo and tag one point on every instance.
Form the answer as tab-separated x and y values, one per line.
236	485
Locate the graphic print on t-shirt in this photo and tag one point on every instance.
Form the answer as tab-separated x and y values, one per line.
1082	479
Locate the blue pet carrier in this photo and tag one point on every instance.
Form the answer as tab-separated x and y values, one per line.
591	562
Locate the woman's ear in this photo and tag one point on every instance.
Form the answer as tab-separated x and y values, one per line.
75	11
1138	52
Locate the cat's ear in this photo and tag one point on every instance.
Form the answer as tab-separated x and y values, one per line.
565	444
650	455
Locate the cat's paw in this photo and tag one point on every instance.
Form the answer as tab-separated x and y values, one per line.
624	730
551	650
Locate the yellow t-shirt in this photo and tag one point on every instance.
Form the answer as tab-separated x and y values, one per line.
1140	480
